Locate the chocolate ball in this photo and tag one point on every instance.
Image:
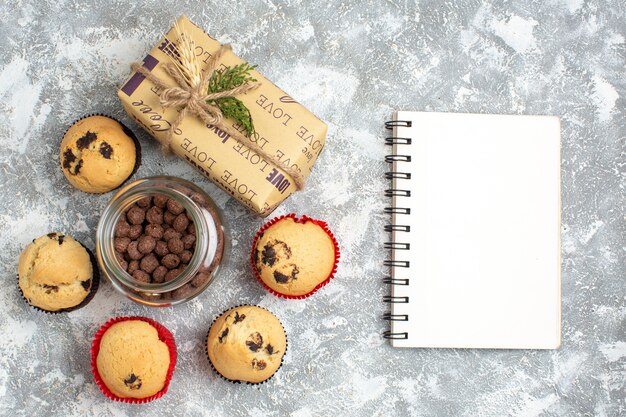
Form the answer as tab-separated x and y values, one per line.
154	230
170	234
199	199
188	241
161	248
160	200
155	215
144	202
170	261
169	217
122	228
124	265
133	266
120	258
133	251
121	243
175	245
172	274
141	276
158	275
136	215
185	256
200	279
135	231
146	244
174	207
183	292
149	263
180	223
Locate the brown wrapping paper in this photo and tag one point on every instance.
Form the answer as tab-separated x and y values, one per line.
285	128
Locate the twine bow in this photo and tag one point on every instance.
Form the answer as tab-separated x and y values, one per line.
192	97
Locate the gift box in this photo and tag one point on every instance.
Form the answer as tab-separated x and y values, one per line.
260	168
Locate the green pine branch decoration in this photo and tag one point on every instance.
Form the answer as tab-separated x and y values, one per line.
232	107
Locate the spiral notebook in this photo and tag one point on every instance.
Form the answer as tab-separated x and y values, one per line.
475	231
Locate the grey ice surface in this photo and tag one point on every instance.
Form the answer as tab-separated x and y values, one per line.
352	63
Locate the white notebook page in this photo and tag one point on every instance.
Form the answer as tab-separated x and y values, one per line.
485	231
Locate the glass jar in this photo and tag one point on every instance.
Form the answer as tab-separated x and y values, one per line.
211	243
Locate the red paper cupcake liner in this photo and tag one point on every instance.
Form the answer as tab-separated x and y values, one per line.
234	381
128	132
302	219
95	284
164	335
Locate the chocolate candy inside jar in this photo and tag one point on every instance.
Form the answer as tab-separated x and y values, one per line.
161	240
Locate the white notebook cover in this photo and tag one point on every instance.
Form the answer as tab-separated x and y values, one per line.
485	264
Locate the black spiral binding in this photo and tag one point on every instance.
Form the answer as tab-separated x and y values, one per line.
389	335
395	281
397	141
400	175
391	245
397	246
397	193
396	317
390	124
397	158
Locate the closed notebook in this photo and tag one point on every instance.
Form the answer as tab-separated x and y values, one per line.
475	231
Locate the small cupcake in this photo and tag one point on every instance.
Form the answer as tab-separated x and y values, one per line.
56	273
294	257
98	154
133	359
246	344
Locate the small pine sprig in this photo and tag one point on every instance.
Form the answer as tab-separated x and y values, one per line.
232	107
231	77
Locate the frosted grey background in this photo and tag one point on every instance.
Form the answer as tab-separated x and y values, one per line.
352	63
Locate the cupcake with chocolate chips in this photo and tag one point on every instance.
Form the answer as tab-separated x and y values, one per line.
246	344
294	257
98	154
133	359
56	273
